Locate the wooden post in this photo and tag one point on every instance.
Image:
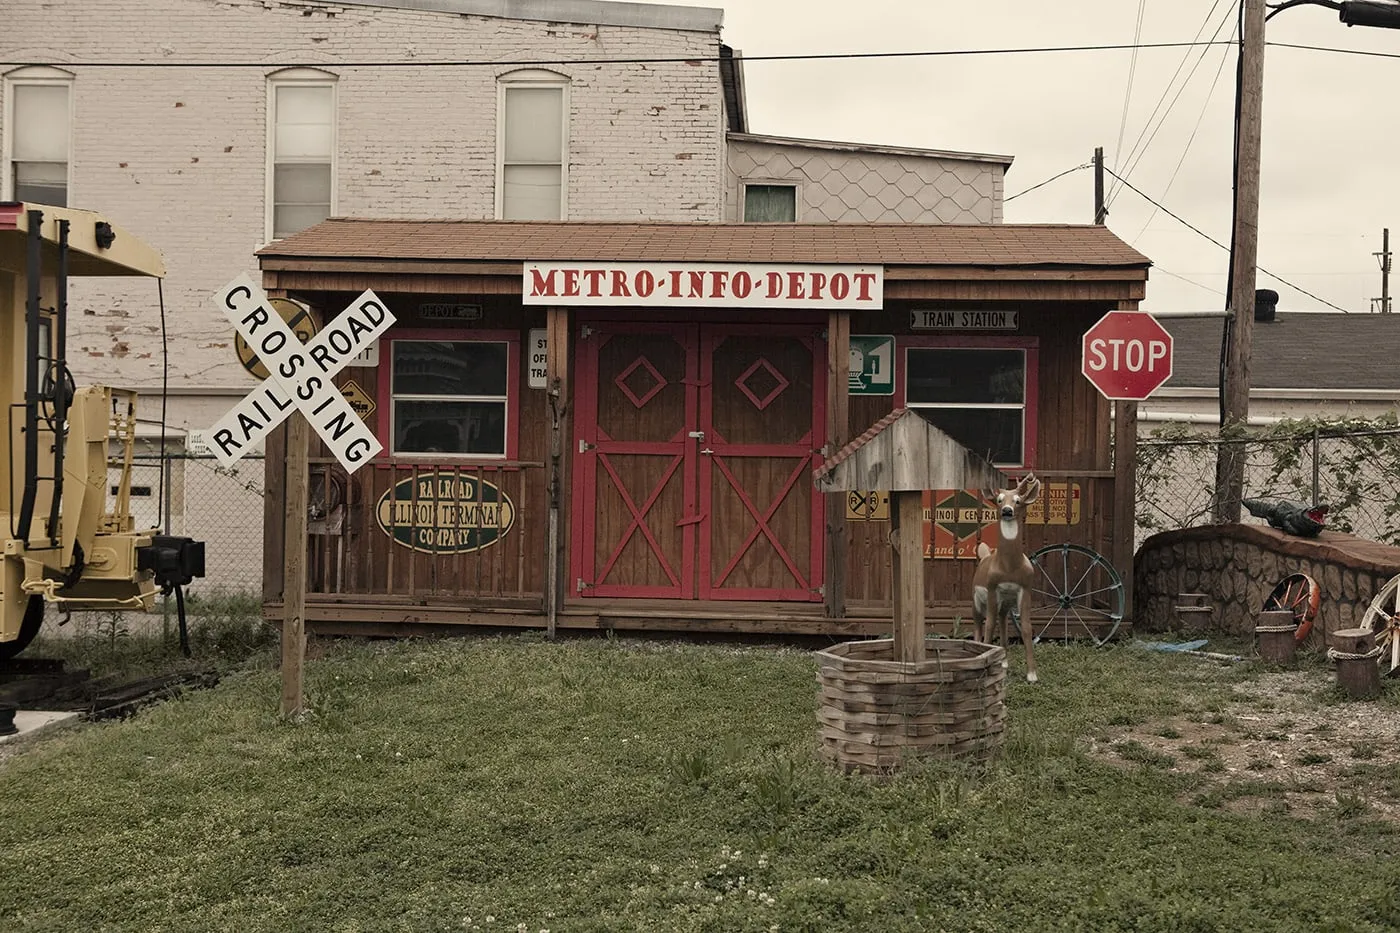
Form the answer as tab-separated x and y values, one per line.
1358	674
907	527
1229	464
838	429
557	367
1125	428
294	578
1277	631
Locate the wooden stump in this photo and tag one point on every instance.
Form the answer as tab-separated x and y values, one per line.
1277	631
875	711
1354	650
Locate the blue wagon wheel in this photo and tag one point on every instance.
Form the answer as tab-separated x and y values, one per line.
1076	595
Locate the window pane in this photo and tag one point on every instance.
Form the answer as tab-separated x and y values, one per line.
422	427
303	141
309	106
534	125
301	184
42	182
977	376
424	367
41	123
992	433
294	218
770	203
531	192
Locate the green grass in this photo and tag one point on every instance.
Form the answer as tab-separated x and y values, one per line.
607	785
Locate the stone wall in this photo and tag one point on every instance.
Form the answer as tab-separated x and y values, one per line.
1237	567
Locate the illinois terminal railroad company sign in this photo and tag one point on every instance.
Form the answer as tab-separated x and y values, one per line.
440	513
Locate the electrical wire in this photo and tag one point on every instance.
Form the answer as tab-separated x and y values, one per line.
1149	132
1132	71
1205	106
1323	48
161	517
1198	230
1047	181
1187	281
493	63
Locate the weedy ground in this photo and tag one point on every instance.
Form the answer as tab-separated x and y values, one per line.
516	784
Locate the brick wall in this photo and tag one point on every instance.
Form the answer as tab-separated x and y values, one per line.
178	155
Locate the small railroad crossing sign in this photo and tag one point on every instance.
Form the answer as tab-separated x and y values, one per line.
298	318
300	376
364	405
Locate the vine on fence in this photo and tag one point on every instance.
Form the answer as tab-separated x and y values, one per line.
1351	464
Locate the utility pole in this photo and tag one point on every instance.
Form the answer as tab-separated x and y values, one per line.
1384	257
1229	464
1100	208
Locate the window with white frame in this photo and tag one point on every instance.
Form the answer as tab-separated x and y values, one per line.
38	121
301	150
976	395
532	148
450	397
770	204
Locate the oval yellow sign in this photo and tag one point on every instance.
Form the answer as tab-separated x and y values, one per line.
443	513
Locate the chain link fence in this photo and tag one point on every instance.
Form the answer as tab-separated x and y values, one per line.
1352	466
191	496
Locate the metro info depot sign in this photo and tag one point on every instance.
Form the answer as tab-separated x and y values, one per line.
703	285
300	376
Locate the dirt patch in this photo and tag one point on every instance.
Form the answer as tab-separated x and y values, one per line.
1285	742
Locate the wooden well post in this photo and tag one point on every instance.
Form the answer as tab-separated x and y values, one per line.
882	700
1358	673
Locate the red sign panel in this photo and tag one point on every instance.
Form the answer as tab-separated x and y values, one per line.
1127	355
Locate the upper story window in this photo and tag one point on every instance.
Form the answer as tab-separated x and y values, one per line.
38	131
981	392
532	146
301	150
770	204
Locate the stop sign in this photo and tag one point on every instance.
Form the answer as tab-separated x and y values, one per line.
1127	355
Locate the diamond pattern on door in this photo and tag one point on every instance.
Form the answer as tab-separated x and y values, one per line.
754	387
643	391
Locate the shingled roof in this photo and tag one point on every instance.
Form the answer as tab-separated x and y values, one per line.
1296	350
887	244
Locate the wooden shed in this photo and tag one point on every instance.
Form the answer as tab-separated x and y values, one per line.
616	424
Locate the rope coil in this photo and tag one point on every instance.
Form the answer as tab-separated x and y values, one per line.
1334	655
1275	628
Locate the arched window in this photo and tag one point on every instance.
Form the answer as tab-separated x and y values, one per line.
38	119
532	146
301	148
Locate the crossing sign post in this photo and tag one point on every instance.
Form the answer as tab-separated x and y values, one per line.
299	386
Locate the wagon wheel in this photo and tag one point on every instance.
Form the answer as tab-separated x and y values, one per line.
1076	594
1297	593
1383	618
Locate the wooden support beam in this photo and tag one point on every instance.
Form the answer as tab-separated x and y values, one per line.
907	526
557	565
838	432
294	578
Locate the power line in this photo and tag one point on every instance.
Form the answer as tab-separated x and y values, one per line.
466	63
1132	71
1186	280
1046	181
1198	230
1323	48
1145	138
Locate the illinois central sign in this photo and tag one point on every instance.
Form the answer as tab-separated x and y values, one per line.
439	513
703	285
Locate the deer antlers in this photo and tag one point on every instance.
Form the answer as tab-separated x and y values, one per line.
1028	490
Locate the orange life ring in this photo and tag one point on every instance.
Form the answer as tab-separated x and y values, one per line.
1297	593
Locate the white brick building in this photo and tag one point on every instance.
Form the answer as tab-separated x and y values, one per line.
209	127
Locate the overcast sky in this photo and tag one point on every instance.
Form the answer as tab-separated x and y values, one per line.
1331	122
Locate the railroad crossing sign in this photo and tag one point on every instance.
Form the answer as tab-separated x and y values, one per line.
300	375
1127	355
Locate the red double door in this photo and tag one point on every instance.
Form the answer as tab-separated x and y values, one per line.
693	461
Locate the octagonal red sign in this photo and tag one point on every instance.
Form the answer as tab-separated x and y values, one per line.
1127	355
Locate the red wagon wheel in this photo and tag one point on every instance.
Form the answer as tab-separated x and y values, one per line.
1299	594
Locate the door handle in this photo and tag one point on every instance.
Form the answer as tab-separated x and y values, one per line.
706	450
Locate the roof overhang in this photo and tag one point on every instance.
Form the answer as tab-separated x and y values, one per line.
123	254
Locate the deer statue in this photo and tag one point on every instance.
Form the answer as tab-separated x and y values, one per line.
1006	574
